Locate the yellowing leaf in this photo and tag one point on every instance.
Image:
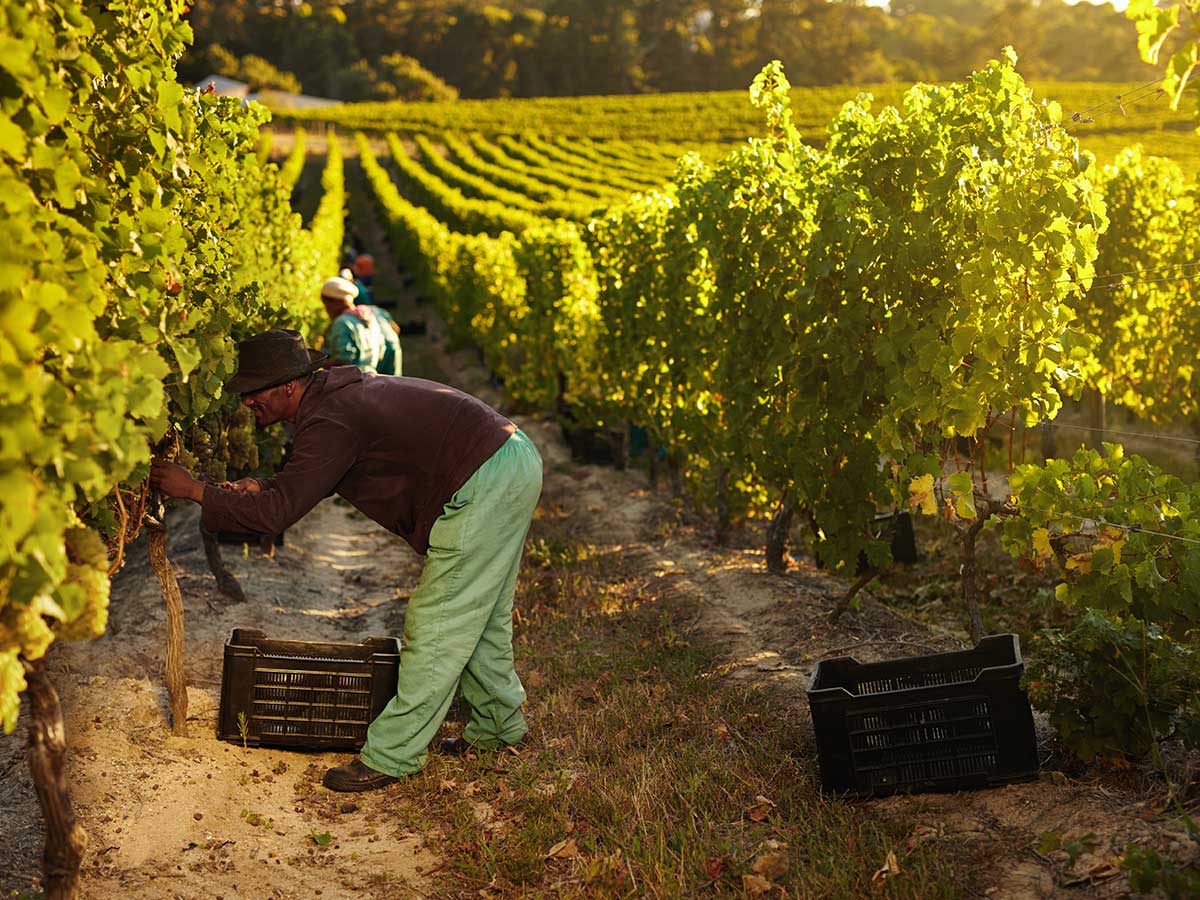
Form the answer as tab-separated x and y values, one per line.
1114	542
1041	543
963	488
920	495
1081	563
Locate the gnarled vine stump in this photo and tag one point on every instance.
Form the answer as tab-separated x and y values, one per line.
65	838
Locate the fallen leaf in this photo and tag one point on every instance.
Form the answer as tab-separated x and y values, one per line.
1106	869
923	833
535	679
447	784
722	731
755	885
714	866
1101	871
563	850
770	865
503	790
889	869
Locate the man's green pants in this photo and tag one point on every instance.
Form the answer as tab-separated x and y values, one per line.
458	626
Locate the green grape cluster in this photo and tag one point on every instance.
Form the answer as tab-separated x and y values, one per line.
83	594
187	459
242	447
24	626
207	450
12	682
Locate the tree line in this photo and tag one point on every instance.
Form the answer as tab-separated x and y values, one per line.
439	49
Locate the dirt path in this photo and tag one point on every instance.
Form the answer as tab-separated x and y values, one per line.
193	817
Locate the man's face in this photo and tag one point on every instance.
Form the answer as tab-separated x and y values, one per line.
335	307
269	406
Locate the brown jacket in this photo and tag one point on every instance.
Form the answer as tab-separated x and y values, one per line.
395	447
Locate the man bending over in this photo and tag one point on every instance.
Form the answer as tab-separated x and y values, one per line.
438	467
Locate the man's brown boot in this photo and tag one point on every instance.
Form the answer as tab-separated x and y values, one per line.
356	776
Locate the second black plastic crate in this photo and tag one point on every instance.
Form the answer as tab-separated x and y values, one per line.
940	722
305	694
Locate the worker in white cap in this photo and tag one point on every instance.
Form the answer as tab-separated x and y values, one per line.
357	334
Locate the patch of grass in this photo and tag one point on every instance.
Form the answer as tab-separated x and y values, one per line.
555	552
646	775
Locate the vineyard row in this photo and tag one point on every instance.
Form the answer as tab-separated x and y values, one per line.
786	318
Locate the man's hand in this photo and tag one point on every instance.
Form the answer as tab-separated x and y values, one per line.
175	481
243	486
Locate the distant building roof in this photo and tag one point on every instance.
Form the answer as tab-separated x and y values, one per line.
225	87
284	100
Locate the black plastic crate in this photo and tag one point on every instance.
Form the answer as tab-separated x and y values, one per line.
940	722
304	694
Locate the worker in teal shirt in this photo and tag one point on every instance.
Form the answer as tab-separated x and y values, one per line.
359	335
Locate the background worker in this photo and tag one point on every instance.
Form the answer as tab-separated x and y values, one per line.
382	314
359	335
364	277
437	467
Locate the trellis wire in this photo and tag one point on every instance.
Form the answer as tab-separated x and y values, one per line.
1132	529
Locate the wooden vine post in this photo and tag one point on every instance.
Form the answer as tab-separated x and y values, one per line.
65	838
156	544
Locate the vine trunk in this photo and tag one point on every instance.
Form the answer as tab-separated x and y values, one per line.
156	543
65	838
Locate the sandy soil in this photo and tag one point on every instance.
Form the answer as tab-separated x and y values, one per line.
172	817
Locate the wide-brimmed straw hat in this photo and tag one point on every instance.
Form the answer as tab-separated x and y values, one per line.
271	359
